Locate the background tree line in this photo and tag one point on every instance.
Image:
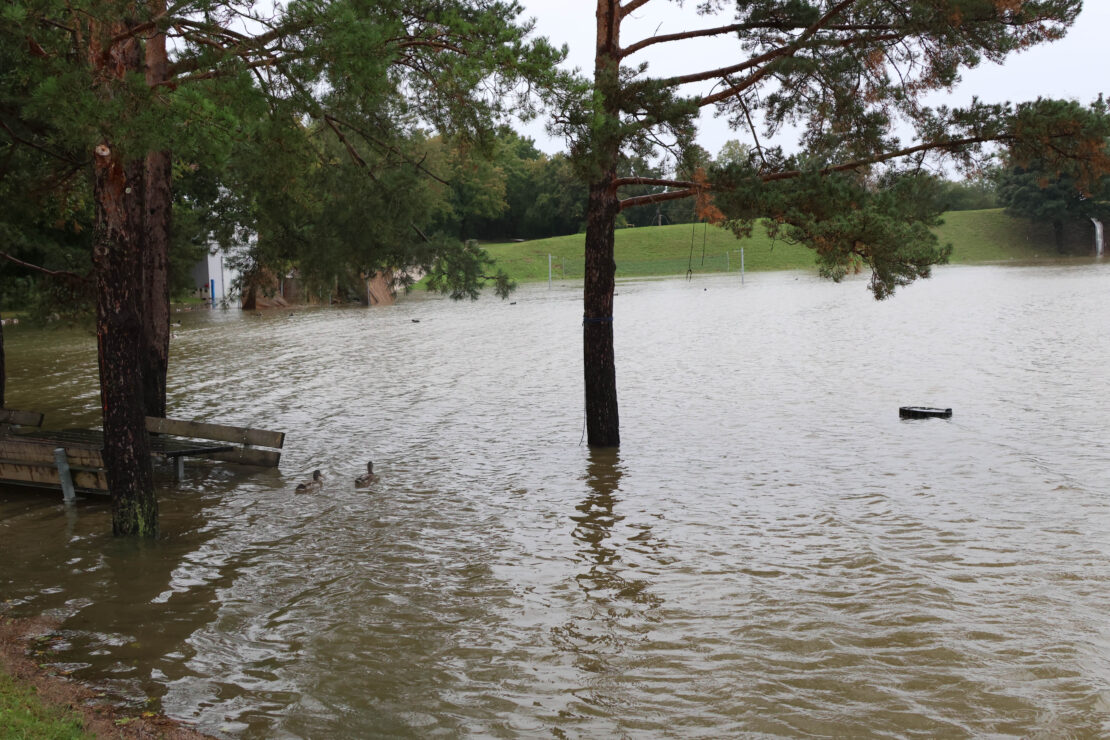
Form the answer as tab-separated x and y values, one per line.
314	208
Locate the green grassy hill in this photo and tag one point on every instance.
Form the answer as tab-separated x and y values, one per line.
976	236
993	236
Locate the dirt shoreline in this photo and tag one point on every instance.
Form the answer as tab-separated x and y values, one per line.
101	717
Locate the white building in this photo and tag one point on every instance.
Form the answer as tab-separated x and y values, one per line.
214	281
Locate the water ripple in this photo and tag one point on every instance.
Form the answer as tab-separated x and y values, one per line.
772	552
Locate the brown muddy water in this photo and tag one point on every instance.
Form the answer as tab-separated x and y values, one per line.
772	552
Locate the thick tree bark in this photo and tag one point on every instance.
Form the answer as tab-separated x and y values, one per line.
3	366
599	366
117	265
250	298
119	195
155	282
602	419
157	211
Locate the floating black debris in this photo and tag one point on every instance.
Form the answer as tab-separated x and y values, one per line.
923	412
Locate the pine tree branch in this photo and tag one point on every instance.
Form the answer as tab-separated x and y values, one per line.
26	142
643	200
747	82
783	51
737	27
755	135
416	42
216	73
691	189
685	35
64	274
630	7
932	146
245	46
135	30
389	148
625	181
351	151
212	30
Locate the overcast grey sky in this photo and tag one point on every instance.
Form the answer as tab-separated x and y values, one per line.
1075	67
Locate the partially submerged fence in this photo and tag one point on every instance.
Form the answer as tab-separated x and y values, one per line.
573	268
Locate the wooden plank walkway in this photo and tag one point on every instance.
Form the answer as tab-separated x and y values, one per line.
93	439
245	441
71	459
11	417
40	463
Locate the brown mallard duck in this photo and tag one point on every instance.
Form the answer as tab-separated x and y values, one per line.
313	485
365	480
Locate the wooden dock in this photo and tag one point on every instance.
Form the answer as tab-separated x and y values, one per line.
71	460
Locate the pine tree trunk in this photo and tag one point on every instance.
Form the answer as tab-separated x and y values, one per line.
157	211
250	298
602	420
118	196
117	265
3	366
156	292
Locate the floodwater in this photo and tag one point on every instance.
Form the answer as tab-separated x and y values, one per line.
771	553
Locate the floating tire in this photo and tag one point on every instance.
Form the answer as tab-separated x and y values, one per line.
923	412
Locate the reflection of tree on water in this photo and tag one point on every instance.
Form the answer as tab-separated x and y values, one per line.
596	518
618	608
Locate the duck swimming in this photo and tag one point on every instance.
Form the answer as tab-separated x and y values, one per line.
365	480
313	485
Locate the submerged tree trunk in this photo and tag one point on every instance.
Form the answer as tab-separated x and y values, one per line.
119	331
602	420
118	195
599	366
157	211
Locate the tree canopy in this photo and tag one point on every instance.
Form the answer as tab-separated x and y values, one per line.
844	75
1041	189
262	111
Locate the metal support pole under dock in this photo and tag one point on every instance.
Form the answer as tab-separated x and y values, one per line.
64	476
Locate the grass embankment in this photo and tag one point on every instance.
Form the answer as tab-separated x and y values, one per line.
977	236
24	715
38	704
993	236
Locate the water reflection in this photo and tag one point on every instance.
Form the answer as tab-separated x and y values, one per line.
610	577
117	602
597	517
617	611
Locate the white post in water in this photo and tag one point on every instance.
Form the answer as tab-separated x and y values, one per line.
741	265
728	260
1098	236
549	271
64	476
